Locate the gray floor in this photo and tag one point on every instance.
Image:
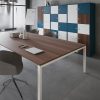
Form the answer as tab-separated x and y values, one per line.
63	80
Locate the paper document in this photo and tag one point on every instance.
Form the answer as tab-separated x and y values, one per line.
34	50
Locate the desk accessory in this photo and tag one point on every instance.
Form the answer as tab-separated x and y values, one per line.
14	35
34	50
23	46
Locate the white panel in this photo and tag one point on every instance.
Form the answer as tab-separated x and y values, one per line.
83	29
62	18
54	25
72	13
46	21
72	37
41	32
62	35
54	9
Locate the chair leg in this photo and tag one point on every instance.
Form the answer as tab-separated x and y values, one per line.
21	81
5	85
18	89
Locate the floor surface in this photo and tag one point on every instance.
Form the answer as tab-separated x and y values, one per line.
62	80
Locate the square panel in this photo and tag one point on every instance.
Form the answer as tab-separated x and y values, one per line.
54	9
62	18
83	19
84	29
54	25
63	27
72	37
41	31
63	9
40	24
46	21
72	27
72	13
47	10
54	18
62	35
84	8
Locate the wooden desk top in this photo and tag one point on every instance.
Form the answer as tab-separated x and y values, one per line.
53	48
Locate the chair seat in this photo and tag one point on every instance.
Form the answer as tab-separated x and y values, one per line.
7	69
11	63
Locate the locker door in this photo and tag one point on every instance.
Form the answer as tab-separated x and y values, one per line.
72	13
54	9
84	39
46	19
72	37
84	29
62	35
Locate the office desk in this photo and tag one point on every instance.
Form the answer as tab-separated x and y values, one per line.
54	50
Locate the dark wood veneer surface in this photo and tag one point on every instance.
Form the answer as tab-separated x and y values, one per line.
53	48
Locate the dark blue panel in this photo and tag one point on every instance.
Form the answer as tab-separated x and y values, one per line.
92	30
84	8
72	27
62	9
40	24
63	26
54	33
54	17
47	10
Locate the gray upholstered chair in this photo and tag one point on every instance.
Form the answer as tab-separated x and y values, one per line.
11	64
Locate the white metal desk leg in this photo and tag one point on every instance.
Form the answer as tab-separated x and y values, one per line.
39	87
84	59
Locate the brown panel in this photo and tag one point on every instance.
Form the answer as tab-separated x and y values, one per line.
40	13
83	19
84	39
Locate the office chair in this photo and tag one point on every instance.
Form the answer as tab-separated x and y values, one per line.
11	64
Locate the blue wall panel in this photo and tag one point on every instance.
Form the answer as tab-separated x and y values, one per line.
62	9
84	8
72	27
54	17
40	24
63	26
47	10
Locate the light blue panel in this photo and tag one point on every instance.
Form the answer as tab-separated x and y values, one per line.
63	26
84	8
54	18
40	24
47	10
72	27
62	9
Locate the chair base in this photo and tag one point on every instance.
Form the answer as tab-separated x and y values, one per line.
6	83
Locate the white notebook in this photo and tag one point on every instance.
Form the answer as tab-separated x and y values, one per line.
34	50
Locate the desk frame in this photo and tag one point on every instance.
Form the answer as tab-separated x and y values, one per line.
39	70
